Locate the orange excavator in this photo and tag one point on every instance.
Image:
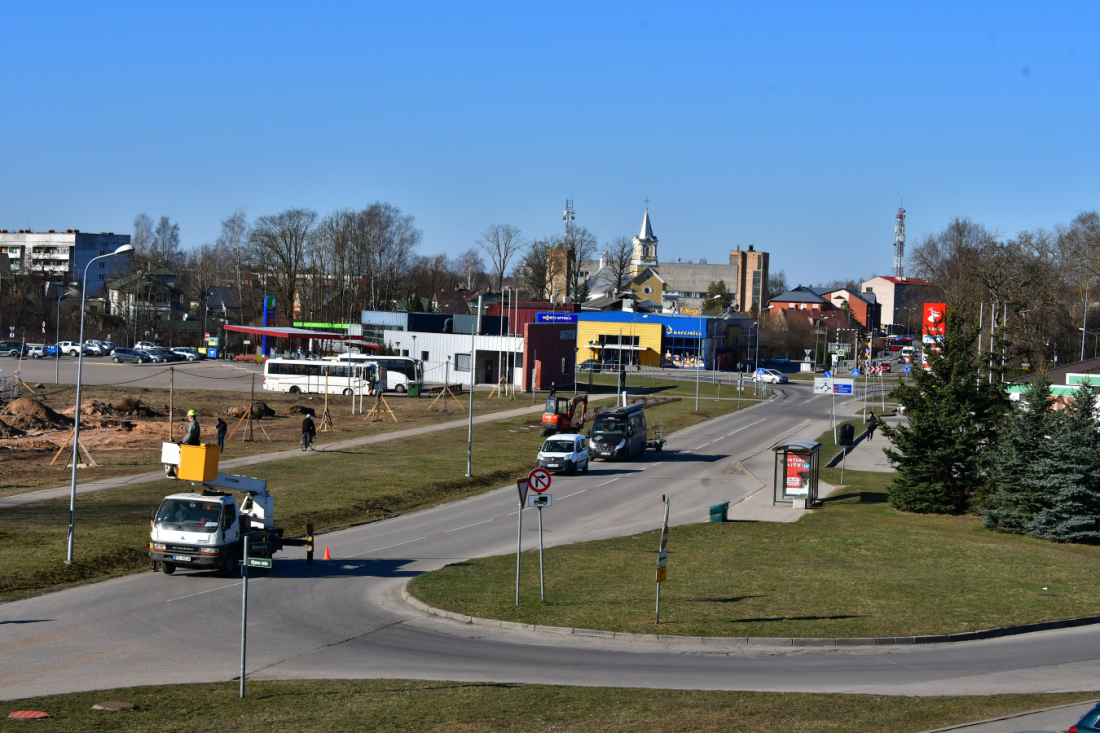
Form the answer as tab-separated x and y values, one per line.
564	414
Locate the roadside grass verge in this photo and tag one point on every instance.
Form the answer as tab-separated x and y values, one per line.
331	490
854	568
315	706
602	383
138	452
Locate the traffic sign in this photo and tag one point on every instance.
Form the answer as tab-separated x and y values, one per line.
522	485
828	374
855	372
842	386
906	368
258	547
260	562
540	501
539	480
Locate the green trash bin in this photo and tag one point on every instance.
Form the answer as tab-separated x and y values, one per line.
720	512
414	389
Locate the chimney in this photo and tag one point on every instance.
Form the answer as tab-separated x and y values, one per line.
751	249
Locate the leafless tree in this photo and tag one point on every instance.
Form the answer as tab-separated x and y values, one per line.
501	243
469	266
279	246
234	241
164	251
619	257
336	233
533	272
385	239
580	245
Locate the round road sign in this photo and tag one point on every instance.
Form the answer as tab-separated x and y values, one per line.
539	480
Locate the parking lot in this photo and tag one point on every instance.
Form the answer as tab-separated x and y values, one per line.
100	370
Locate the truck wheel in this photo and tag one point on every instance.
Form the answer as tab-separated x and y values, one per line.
547	432
586	462
294	389
348	392
401	389
167	568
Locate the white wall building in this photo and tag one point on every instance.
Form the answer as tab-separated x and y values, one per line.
447	355
64	255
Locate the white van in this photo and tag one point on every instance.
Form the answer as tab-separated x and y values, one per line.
566	452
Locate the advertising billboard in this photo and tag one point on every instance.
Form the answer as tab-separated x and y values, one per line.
798	473
934	319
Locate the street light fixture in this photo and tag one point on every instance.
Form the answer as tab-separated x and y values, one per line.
702	347
63	295
1095	341
124	249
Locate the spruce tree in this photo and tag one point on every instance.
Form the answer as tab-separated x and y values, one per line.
1070	476
941	456
1019	491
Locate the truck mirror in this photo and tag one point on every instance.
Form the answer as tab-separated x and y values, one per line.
153	514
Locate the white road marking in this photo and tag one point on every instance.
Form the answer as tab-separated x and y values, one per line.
605	483
376	549
573	494
746	427
209	590
467	526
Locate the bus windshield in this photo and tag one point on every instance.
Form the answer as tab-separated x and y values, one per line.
609	426
192	514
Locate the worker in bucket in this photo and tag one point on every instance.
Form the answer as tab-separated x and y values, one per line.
191	437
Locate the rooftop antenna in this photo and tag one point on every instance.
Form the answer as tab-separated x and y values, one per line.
899	243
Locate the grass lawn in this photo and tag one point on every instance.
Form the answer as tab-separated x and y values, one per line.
854	568
673	387
399	705
123	454
331	490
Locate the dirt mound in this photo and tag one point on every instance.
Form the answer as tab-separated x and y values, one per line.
24	445
30	406
303	410
259	410
94	408
28	414
7	431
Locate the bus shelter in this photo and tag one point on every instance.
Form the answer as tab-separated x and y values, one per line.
796	472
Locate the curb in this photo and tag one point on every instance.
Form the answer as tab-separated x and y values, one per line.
756	640
961	726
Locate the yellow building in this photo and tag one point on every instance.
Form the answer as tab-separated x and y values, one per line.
637	342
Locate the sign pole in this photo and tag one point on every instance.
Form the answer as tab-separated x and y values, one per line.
662	561
519	537
542	581
832	412
244	609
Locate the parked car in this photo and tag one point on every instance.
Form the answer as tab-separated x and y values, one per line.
189	353
36	351
567	452
163	355
12	348
1089	723
120	355
769	376
108	347
95	348
780	360
72	348
589	365
146	345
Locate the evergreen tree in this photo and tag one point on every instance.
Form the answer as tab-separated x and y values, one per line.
1070	476
1019	491
941	456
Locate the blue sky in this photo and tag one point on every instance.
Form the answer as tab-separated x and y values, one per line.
797	127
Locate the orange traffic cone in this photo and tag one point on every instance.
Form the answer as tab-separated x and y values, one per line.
327	556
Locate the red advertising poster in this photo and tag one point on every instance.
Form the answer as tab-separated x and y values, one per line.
933	318
798	473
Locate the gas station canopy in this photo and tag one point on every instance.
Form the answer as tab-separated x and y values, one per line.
297	333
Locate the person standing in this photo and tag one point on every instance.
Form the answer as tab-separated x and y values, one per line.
872	423
221	429
191	437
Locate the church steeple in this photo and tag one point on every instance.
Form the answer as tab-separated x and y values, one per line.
645	247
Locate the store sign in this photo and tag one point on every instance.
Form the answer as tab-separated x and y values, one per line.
555	318
567	335
934	314
670	331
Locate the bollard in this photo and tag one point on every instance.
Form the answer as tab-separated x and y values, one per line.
309	543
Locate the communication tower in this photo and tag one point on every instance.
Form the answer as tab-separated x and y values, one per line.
899	243
569	216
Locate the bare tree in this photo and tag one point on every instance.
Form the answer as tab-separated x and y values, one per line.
619	257
165	247
469	266
336	232
580	245
234	241
501	243
279	245
777	284
384	241
533	272
142	241
204	266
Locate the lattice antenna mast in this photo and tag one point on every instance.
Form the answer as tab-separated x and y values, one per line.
569	216
899	243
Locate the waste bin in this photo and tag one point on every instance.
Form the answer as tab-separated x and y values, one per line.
847	434
719	512
414	389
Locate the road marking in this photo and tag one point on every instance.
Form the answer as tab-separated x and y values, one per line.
210	590
467	526
658	463
573	494
376	549
746	427
605	483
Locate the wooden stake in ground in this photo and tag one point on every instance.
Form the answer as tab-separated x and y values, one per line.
80	447
171	403
443	396
246	436
499	389
326	418
375	413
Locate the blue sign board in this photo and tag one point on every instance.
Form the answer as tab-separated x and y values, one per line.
855	372
555	318
842	388
906	367
828	374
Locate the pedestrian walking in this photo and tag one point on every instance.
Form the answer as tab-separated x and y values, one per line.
221	428
872	423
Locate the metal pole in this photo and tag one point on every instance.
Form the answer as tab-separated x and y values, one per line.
171	400
1085	320
244	610
832	411
657	620
534	387
843	463
473	381
519	538
542	580
698	367
56	338
500	347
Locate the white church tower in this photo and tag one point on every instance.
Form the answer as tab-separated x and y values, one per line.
645	247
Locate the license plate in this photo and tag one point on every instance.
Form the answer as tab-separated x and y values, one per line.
605	453
181	558
551	465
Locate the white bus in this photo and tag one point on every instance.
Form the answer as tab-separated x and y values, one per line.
400	370
309	377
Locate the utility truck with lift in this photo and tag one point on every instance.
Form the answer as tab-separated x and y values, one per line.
205	528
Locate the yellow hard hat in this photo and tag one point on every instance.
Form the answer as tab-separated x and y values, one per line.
192	413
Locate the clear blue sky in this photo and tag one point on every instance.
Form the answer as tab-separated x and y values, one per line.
795	127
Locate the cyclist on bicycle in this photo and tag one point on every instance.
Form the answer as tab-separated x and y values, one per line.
309	430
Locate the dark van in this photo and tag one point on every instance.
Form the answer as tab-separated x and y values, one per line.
618	433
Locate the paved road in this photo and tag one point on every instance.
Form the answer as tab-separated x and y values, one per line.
344	618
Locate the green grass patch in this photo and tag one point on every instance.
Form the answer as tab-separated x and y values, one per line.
331	490
855	568
399	705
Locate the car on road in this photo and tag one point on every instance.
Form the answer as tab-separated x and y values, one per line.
120	355
780	360
95	349
36	351
188	353
565	452
769	376
146	345
12	348
1089	723
884	364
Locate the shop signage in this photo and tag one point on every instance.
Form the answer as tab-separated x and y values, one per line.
933	318
555	318
670	331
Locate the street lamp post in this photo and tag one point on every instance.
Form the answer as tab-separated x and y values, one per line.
57	335
1095	342
701	351
124	249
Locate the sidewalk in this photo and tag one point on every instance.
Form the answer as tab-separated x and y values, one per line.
142	478
867	455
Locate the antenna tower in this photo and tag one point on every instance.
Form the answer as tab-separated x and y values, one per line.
899	243
569	216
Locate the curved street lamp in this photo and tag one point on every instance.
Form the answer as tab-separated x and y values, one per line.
124	249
